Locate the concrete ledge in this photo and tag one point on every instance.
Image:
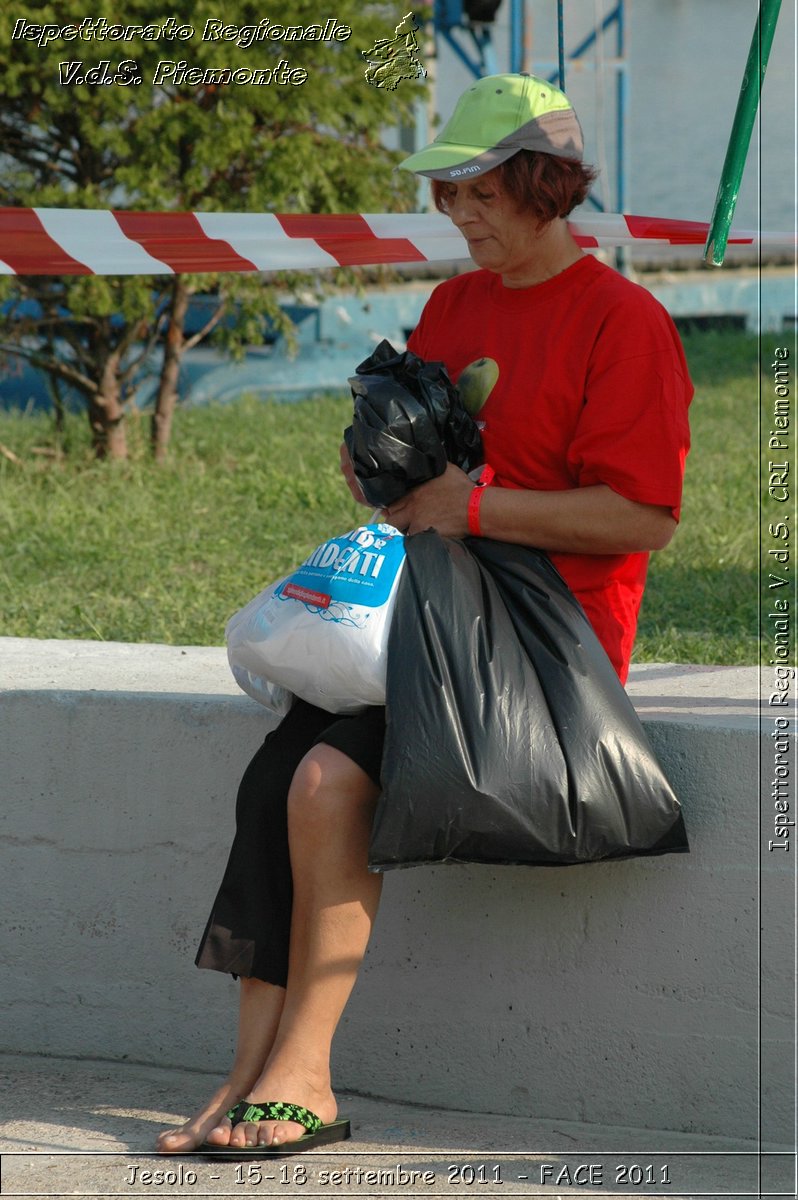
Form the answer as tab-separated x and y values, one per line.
623	993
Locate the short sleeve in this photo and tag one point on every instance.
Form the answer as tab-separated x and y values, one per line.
633	433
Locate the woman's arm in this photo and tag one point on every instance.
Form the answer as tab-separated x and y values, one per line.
588	520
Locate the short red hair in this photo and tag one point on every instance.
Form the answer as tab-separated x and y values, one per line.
542	184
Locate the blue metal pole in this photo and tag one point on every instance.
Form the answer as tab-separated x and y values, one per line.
474	65
621	105
561	43
516	35
591	37
487	53
622	90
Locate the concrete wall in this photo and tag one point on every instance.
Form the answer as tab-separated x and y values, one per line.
624	993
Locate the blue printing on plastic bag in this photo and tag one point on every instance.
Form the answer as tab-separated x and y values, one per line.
356	568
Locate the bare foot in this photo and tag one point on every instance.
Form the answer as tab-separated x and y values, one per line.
290	1086
260	1006
195	1130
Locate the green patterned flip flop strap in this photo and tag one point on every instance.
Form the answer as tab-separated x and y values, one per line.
275	1110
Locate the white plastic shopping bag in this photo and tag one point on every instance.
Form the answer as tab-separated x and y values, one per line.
321	633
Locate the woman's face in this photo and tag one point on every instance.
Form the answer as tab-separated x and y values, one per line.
500	238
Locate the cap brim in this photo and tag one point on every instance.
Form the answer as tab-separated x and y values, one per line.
448	161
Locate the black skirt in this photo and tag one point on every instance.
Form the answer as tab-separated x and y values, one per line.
249	928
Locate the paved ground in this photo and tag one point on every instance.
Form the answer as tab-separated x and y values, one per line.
79	1128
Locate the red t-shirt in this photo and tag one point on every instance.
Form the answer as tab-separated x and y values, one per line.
582	380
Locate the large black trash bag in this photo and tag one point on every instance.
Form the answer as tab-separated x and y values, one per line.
408	423
509	738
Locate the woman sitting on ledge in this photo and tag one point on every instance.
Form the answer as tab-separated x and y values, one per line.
579	383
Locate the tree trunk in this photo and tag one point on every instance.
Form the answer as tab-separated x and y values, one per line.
107	415
166	400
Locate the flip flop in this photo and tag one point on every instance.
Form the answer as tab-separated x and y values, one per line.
318	1134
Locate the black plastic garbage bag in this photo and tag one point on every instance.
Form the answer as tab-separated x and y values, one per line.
408	423
509	738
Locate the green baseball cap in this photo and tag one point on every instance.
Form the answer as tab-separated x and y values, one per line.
498	116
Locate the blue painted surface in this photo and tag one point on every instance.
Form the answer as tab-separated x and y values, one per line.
336	335
333	337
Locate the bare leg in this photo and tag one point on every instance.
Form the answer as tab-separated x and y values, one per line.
260	1006
330	812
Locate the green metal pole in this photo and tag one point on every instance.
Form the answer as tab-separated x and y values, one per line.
740	136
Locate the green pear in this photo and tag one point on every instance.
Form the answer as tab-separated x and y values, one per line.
476	383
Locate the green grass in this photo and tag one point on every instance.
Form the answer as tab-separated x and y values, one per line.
701	601
137	552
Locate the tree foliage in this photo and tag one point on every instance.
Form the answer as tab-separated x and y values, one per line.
170	142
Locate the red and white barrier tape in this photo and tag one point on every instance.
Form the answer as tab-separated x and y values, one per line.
62	241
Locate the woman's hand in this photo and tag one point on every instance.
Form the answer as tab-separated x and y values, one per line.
440	504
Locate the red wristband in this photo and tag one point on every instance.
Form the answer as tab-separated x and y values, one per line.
474	501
